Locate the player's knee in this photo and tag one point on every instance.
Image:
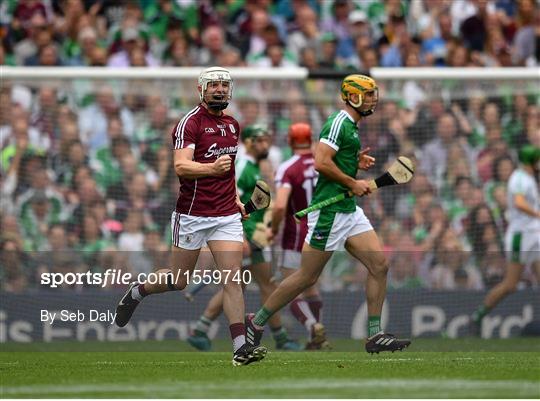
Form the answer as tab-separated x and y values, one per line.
308	280
379	268
233	285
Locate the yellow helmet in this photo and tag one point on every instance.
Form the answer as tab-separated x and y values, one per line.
359	84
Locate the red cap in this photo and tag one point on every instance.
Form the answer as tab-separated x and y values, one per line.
300	134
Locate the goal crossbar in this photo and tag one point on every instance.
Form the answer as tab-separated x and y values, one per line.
284	74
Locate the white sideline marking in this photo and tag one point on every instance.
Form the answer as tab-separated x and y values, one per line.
194	387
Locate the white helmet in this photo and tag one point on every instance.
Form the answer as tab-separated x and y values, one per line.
213	74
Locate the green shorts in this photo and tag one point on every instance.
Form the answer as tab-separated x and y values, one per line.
328	231
258	255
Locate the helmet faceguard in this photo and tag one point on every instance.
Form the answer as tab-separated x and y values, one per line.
360	85
219	99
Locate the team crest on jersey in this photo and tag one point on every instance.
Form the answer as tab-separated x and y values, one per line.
231	127
222	128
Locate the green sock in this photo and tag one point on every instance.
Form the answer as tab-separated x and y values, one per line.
262	316
479	314
280	335
374	325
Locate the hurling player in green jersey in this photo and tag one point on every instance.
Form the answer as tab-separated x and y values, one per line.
522	237
343	224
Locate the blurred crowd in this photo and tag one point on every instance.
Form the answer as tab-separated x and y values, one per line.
317	34
86	175
91	185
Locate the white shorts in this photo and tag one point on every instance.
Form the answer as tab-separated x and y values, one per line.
192	232
328	231
291	259
522	247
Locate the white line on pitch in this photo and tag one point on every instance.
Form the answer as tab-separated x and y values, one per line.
191	387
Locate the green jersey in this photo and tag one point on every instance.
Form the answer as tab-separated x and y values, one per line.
340	133
247	174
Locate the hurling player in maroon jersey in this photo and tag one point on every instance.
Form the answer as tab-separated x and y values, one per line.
208	210
295	183
256	139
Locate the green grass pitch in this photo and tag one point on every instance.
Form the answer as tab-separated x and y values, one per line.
431	368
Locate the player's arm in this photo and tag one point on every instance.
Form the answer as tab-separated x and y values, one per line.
280	207
521	203
185	167
324	164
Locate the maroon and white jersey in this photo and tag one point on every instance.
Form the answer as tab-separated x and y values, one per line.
297	173
210	137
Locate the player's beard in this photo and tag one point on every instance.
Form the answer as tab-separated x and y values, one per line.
262	156
366	109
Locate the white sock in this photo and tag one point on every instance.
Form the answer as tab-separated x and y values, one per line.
309	324
135	294
238	342
310	319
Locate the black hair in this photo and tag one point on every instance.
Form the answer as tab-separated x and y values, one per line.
495	166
